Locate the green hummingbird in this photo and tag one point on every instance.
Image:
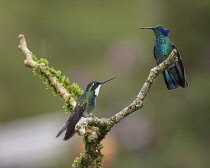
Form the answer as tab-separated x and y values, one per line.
174	75
84	106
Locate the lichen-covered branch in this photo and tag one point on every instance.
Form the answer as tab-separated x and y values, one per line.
138	102
92	129
54	80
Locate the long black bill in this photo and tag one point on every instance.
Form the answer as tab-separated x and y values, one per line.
147	28
107	80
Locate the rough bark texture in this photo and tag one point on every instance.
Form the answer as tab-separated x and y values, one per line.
94	129
41	67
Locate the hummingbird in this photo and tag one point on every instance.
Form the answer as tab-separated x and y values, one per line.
84	106
174	75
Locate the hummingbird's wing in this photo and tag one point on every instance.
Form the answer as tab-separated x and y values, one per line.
70	130
174	76
180	69
63	129
72	121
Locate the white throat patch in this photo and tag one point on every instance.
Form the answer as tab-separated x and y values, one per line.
97	90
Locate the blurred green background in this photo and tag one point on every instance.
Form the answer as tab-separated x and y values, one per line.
97	40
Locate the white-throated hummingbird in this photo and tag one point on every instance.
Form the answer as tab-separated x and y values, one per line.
84	106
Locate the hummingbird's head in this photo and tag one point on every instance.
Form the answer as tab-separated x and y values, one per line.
159	30
95	86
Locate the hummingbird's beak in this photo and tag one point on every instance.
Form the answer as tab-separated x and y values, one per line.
107	80
147	28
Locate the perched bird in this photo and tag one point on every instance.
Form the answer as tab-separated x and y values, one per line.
175	74
84	106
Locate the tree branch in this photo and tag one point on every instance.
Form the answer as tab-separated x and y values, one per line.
50	74
92	129
138	102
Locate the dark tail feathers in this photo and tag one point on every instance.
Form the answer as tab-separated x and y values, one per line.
175	77
70	126
62	130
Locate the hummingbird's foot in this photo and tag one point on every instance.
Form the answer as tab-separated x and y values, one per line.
88	115
92	116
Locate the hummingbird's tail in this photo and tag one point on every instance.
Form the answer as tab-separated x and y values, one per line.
70	129
63	129
175	76
70	126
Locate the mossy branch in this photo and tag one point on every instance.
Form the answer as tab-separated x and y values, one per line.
52	78
93	129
